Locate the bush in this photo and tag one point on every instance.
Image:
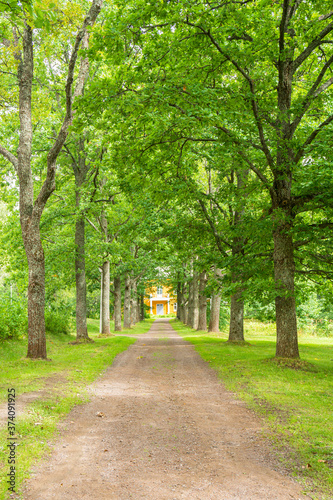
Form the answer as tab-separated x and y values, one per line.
13	320
58	321
261	311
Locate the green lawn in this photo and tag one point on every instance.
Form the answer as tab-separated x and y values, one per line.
75	366
296	404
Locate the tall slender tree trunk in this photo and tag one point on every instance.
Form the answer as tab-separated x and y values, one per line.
181	304
134	302
185	302
195	301
190	305
137	305
106	298
117	303
127	303
80	278
236	328
142	307
214	321
179	298
30	212
80	170
281	195
202	322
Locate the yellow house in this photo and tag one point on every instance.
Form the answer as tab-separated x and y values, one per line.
161	300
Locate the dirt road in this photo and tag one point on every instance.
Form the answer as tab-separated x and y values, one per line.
167	430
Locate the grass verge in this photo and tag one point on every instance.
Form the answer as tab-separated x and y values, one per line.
295	403
63	382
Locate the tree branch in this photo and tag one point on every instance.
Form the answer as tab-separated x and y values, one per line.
312	137
311	47
215	232
92	224
313	93
9	156
49	183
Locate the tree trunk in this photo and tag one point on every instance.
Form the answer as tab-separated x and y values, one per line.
80	170
133	302
179	299
284	269
117	304
195	311
185	303
214	322
142	307
30	213
202	322
283	214
127	303
190	304
80	278
181	304
236	328
36	292
106	298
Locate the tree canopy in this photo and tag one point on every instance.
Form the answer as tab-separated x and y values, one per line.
192	137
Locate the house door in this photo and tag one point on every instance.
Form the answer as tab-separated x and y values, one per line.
159	309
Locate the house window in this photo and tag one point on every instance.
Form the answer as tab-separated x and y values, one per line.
175	307
159	291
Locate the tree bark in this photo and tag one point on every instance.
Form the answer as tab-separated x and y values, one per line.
195	313
214	321
142	307
36	292
80	170
185	303
179	299
106	298
180	304
194	303
138	309
30	213
80	278
284	270
190	304
127	303
236	328
117	303
134	302
202	322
